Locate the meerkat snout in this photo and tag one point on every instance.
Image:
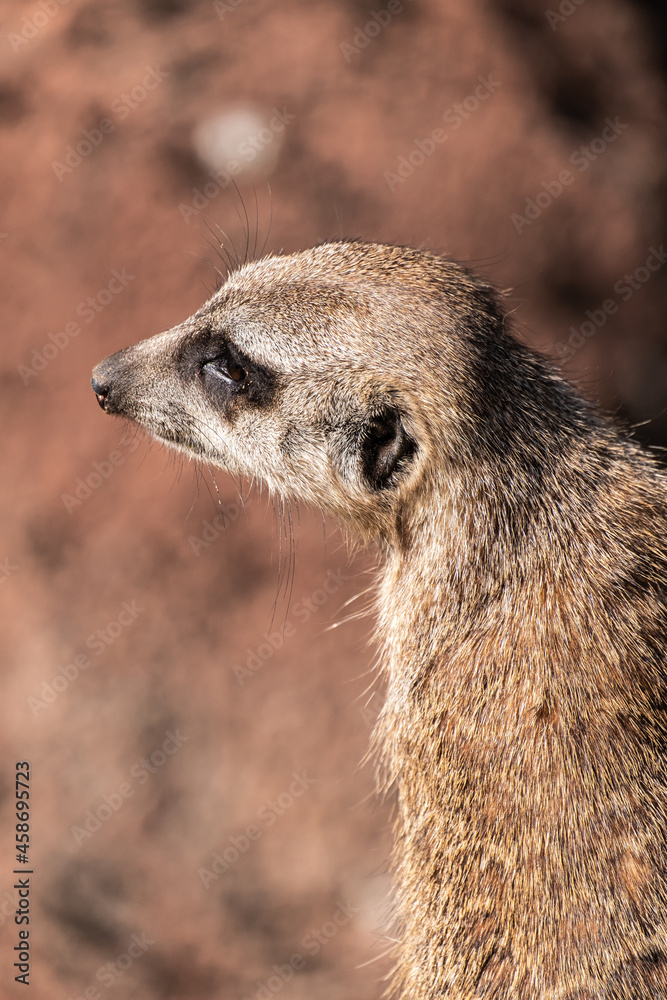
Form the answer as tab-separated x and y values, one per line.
110	379
101	391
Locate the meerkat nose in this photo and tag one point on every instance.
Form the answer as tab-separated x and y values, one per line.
101	391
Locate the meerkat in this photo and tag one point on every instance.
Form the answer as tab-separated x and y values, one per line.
521	608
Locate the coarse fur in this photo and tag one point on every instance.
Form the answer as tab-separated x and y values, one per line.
522	608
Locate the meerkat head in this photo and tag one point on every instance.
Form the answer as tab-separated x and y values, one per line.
333	375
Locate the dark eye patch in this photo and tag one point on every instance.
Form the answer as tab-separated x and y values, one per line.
229	375
385	447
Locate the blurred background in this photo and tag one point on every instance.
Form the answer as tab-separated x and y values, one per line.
202	821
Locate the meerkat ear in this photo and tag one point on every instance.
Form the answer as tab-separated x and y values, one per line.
385	447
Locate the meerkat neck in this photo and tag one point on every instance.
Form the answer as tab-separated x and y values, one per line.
517	686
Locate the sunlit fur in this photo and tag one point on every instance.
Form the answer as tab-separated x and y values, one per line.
522	608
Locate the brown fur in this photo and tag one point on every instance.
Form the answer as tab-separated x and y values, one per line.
522	608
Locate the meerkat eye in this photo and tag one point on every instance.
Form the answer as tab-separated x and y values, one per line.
228	375
224	366
235	371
